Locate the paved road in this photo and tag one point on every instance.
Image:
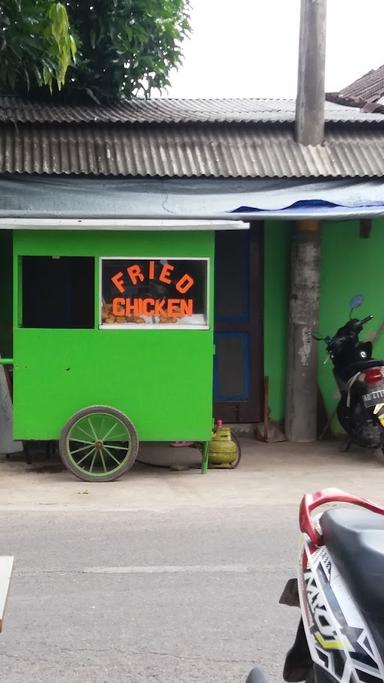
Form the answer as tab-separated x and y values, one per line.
162	576
109	597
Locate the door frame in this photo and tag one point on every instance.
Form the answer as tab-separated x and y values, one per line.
251	410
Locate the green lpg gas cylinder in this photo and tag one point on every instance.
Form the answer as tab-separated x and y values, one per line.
222	451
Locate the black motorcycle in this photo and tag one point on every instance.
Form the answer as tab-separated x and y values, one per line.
360	379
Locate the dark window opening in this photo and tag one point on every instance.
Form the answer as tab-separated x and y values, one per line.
58	292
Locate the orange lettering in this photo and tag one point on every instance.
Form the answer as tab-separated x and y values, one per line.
165	273
159	307
146	304
174	307
129	307
135	274
151	274
118	306
132	307
118	281
185	283
186	307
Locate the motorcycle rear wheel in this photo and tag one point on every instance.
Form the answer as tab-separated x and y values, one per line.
362	427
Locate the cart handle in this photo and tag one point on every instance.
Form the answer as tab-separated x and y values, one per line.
6	361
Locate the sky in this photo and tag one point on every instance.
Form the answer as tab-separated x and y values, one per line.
248	48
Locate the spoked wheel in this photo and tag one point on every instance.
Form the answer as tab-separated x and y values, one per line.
98	443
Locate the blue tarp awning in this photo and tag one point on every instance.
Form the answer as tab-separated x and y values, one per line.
72	201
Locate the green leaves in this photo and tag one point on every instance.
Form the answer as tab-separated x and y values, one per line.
125	48
63	45
35	43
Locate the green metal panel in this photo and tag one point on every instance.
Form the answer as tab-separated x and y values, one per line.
161	379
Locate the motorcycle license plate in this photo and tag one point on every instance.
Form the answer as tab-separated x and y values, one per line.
373	398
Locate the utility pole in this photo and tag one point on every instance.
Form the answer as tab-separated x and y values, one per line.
311	75
301	398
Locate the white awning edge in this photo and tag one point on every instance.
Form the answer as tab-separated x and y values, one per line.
120	224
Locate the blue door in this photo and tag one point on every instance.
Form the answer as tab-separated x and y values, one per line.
238	374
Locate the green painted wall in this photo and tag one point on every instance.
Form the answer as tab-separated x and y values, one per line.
162	379
6	293
349	265
277	237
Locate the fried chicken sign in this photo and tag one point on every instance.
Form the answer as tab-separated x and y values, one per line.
168	308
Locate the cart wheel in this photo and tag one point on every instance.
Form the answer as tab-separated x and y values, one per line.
98	443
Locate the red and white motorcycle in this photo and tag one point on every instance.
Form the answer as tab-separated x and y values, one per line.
340	591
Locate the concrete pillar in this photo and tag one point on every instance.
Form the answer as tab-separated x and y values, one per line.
311	74
301	397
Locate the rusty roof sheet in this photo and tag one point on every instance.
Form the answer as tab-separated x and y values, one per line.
162	110
367	92
194	150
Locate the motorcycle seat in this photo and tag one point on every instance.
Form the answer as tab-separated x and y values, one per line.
355	541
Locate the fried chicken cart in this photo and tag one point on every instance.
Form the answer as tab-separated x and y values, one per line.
112	342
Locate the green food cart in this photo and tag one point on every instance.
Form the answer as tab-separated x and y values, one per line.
112	342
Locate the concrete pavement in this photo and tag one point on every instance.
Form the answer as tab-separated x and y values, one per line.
268	474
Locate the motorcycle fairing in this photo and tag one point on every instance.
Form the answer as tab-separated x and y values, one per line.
339	640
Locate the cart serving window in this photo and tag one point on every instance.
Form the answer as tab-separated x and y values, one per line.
157	292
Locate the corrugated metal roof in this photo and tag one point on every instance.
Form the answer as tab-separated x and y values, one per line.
366	92
16	110
199	150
